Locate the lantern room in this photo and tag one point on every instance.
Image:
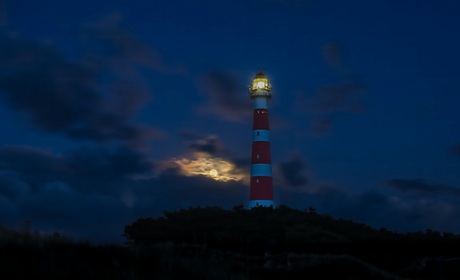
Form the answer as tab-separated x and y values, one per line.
260	87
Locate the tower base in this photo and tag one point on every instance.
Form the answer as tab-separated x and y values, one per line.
263	203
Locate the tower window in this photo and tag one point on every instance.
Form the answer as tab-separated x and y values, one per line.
257	156
257	180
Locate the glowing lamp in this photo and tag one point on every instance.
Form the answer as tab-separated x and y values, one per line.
260	86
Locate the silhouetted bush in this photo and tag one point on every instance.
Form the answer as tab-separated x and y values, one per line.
260	231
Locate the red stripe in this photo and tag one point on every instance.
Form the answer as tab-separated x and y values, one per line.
261	188
261	152
260	119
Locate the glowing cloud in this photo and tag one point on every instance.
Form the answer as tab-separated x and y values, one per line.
216	168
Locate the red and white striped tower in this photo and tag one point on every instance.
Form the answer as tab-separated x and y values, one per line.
261	189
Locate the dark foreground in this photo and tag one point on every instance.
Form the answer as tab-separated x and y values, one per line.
63	260
56	260
213	243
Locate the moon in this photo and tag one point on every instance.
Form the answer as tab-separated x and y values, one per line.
213	173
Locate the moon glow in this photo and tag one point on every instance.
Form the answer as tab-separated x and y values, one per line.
213	173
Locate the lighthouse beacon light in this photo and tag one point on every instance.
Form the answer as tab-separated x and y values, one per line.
261	183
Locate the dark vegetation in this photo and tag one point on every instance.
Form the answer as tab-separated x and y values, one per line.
213	243
284	234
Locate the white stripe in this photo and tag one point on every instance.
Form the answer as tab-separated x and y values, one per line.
261	169
264	203
260	135
260	103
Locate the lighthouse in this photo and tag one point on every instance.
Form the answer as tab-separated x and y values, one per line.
261	185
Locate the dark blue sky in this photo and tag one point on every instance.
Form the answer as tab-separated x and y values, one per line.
115	110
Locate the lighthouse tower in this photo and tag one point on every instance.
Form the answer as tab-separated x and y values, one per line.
261	189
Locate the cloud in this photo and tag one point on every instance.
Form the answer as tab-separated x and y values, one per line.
27	159
343	97
321	126
338	98
227	98
328	102
94	98
210	145
293	172
11	187
59	207
455	150
87	169
114	163
76	193
332	52
210	150
208	154
185	191
370	207
422	187
408	213
30	166
93	192
189	135
109	45
200	164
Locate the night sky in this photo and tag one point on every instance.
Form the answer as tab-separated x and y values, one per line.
113	110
